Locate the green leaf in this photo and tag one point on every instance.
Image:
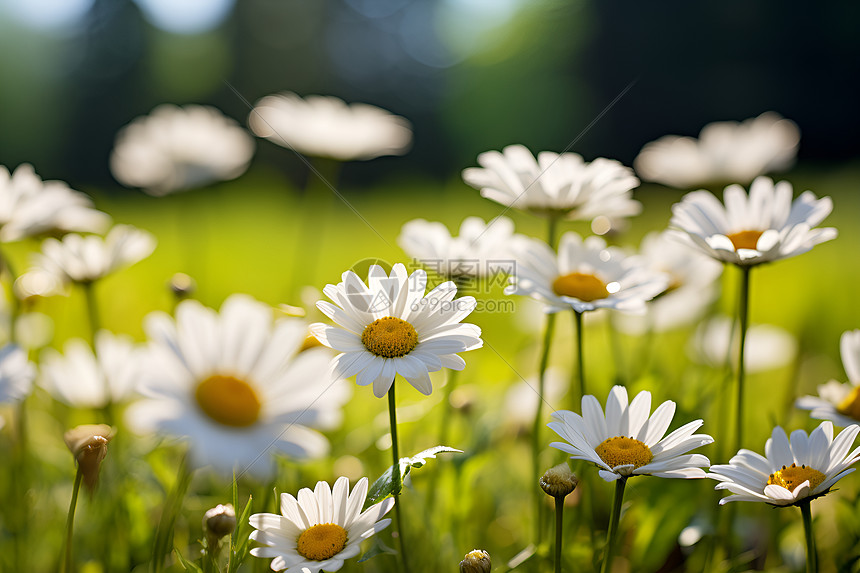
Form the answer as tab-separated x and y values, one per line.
186	564
378	548
385	486
421	458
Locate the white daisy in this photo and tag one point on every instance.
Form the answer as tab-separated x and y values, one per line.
30	207
16	374
749	230
481	250
555	184
767	346
839	402
325	126
805	467
692	285
625	441
84	259
319	530
585	275
85	379
726	151
389	327
177	148
235	385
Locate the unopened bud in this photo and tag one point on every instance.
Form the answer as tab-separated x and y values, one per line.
182	286
476	561
88	443
219	521
558	481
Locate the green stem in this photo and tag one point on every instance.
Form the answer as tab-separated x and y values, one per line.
743	314
443	434
580	363
536	429
552	227
395	455
811	556
92	311
70	523
172	506
611	537
559	521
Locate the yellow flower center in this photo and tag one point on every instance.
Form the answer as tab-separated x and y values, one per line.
321	542
586	287
794	475
745	239
621	451
228	400
850	405
389	337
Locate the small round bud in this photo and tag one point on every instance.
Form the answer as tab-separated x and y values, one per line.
219	521
182	286
476	561
558	481
88	443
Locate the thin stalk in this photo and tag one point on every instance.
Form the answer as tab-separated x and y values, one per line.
552	227
172	505
443	433
811	556
559	521
92	311
536	429
743	315
611	537
580	363
395	455
70	523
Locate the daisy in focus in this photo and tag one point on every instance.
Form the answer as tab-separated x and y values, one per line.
86	259
236	386
791	471
481	250
30	207
388	326
726	151
16	374
749	230
83	378
178	148
624	441
585	275
838	402
555	185
325	126
319	530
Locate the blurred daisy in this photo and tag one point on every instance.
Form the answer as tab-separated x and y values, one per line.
84	259
749	230
790	471
85	379
692	285
16	374
319	530
521	399
555	185
235	385
389	327
625	441
839	402
30	207
726	151
178	148
585	275
481	250
325	126
767	346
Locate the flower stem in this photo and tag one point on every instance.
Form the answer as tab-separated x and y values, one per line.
811	556
395	454
536	429
580	364
552	226
70	523
613	524
170	511
559	521
743	314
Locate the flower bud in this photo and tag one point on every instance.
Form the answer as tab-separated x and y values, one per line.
88	443
182	286
219	521
558	481
476	561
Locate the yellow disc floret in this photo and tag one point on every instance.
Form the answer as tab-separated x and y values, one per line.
228	400
792	476
622	451
586	287
745	239
389	337
321	542
850	405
